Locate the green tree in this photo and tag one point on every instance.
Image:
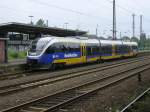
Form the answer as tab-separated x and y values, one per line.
41	23
126	38
143	41
143	37
134	39
101	37
110	38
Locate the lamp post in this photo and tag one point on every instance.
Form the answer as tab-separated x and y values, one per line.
97	30
66	24
31	19
114	20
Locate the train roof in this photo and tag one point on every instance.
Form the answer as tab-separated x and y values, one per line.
116	42
86	40
130	43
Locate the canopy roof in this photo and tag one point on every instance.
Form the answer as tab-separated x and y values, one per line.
30	29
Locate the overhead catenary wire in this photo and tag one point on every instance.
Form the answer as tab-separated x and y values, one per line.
60	8
92	16
128	10
70	10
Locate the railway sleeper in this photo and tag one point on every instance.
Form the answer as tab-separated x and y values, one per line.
34	109
59	98
22	110
63	110
46	104
62	98
82	91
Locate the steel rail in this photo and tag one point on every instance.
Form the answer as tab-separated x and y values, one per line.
20	74
28	85
76	96
129	106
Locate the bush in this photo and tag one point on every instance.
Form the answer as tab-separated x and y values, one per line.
12	55
16	55
22	54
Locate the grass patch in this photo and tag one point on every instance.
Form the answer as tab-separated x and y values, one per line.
16	55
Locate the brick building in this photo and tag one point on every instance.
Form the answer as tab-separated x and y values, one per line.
3	47
2	50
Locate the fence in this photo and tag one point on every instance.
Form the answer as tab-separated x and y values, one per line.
19	45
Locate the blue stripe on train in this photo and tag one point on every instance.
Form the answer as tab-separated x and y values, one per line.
49	58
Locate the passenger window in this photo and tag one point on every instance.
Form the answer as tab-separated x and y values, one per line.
73	47
107	49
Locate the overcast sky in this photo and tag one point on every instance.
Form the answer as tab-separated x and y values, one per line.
81	14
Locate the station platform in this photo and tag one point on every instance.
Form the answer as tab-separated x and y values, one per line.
14	62
12	65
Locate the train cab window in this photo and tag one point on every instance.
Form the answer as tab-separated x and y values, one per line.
37	46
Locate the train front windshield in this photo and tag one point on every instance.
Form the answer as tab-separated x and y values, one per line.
37	47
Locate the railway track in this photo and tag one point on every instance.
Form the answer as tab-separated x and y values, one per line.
140	97
12	89
61	99
13	75
10	76
30	72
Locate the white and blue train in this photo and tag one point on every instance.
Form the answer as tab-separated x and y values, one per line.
58	51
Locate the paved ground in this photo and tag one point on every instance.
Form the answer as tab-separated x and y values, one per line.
14	62
11	65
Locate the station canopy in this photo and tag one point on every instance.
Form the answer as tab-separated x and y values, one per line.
31	29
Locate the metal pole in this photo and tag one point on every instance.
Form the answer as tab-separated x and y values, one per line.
114	20
133	25
139	77
47	23
120	36
97	30
6	47
141	26
66	25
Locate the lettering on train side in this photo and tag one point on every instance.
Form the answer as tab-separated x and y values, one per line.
70	55
55	56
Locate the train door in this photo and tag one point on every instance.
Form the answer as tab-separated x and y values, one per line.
83	53
114	50
131	51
